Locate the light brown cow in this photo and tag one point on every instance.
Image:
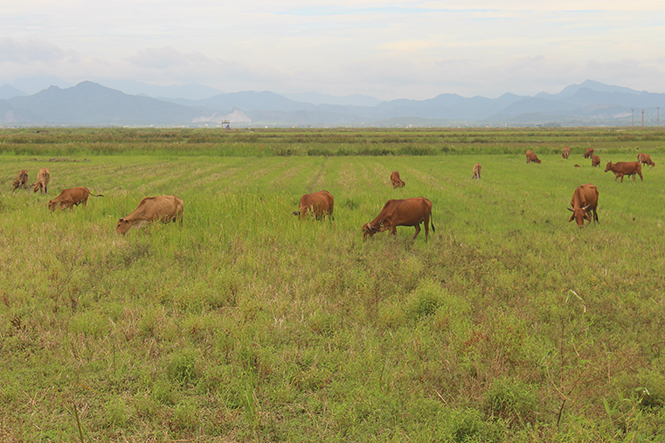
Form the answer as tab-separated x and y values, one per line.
588	153
407	212
645	159
21	180
69	198
43	177
595	160
531	157
476	170
164	208
396	181
566	152
319	204
625	168
584	201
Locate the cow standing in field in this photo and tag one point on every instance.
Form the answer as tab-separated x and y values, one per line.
407	212
645	159
625	168
531	157
566	152
476	171
595	160
584	201
43	178
319	204
164	208
21	180
588	153
69	198
396	181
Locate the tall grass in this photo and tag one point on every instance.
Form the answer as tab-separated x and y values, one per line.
245	324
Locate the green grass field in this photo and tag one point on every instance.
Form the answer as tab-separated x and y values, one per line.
246	324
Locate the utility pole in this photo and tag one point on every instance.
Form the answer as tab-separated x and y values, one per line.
658	116
632	118
642	117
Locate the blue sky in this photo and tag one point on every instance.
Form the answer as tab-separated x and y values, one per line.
387	49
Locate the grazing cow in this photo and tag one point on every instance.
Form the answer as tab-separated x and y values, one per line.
21	180
588	153
396	181
595	160
319	204
625	168
69	198
584	201
407	212
566	152
531	157
43	177
645	159
476	171
165	208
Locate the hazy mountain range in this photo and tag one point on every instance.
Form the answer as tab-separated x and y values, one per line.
137	104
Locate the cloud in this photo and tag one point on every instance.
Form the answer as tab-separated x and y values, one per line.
30	51
166	57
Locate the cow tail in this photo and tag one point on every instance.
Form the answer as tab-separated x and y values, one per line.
431	222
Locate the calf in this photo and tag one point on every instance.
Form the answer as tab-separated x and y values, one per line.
69	198
396	181
21	180
319	204
476	171
164	208
43	178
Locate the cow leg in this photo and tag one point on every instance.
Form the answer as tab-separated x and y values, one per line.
417	231
641	178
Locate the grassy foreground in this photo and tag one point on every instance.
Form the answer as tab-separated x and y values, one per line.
510	324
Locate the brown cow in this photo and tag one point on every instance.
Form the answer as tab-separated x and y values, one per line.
588	153
69	198
577	166
396	181
531	157
21	180
476	171
584	201
625	168
43	177
165	208
566	152
645	159
407	212
595	160
319	204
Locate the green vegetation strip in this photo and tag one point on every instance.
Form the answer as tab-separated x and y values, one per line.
246	324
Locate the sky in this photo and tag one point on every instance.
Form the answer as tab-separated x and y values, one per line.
385	49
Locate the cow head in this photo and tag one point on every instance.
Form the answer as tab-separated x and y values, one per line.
608	167
122	227
52	205
579	215
368	230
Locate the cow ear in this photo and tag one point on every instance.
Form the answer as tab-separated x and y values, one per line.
571	209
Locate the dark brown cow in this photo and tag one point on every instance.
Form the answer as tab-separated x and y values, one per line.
396	181
625	168
577	166
588	153
407	212
69	198
43	177
566	152
595	160
645	159
164	208
21	180
476	170
531	157
584	201
319	204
